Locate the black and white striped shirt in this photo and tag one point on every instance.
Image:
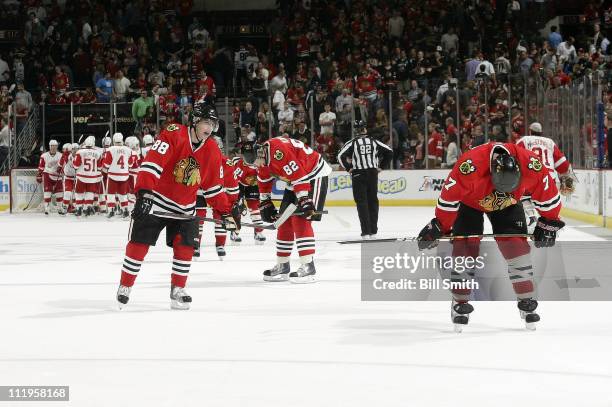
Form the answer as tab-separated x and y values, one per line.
364	153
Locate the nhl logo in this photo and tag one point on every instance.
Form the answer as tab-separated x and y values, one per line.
278	155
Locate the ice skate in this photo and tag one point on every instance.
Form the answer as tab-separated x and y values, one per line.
221	252
196	252
304	275
527	307
235	237
280	272
46	209
259	238
125	214
62	210
110	214
179	298
79	212
460	314
123	295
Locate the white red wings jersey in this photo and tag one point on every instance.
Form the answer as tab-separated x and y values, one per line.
118	160
550	155
246	174
293	162
87	162
49	164
469	183
174	169
66	165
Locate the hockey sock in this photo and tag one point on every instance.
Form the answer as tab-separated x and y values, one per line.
284	241
516	251
134	255
123	201
464	248
47	198
200	213
304	238
255	214
181	262
220	232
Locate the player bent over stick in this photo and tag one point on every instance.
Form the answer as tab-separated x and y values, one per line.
306	174
491	179
182	160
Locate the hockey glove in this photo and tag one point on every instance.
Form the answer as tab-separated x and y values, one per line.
143	205
268	211
545	232
566	185
239	207
39	178
230	223
429	236
306	206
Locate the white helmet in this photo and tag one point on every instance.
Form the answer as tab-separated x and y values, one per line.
90	141
147	139
118	138
535	127
53	143
75	146
106	141
66	147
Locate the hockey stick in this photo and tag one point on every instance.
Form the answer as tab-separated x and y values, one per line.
180	216
414	239
32	197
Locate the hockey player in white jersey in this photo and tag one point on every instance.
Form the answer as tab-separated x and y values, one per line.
133	143
553	159
117	160
49	175
87	164
69	173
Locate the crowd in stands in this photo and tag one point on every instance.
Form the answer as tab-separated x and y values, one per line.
400	66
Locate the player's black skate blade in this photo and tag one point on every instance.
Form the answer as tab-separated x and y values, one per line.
221	252
527	308
123	296
460	315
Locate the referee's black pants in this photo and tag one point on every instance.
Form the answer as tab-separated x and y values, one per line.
365	187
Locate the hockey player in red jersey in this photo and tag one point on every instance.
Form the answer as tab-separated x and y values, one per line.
182	160
305	173
231	190
246	173
117	161
87	163
491	179
49	175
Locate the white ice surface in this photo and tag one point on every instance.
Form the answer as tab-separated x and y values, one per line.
250	343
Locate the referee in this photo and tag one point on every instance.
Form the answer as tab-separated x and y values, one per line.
360	157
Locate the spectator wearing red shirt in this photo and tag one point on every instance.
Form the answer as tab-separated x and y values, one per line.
366	83
60	83
208	81
435	146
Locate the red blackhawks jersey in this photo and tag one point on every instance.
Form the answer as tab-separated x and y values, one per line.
230	179
469	183
49	164
246	174
293	162
549	153
174	169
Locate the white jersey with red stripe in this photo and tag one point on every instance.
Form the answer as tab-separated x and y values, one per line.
550	155
87	162
67	167
49	164
118	160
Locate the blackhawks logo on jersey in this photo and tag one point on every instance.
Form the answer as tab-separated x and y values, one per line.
467	167
278	155
187	172
496	201
250	180
534	164
172	127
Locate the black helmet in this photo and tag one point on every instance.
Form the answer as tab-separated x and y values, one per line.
505	170
202	111
248	152
360	127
